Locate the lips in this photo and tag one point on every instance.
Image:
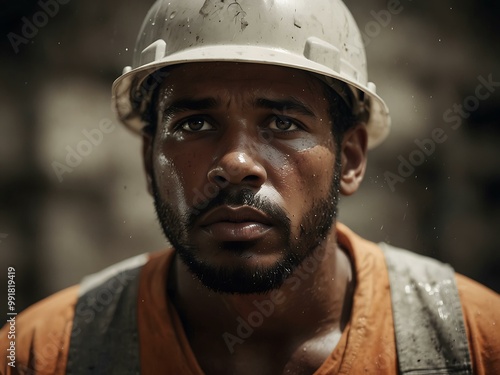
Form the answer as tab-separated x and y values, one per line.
235	224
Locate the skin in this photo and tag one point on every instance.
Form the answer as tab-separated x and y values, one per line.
286	156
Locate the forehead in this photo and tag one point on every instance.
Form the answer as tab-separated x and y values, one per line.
239	79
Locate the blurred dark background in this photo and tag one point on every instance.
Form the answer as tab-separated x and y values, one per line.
425	60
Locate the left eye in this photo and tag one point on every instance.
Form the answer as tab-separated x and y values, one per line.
282	124
195	125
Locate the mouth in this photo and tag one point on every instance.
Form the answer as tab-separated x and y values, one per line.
235	224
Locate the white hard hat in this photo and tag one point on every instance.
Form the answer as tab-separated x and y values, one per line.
318	36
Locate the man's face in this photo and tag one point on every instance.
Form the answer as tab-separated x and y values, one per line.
243	170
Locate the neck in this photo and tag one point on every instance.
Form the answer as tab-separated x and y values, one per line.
314	300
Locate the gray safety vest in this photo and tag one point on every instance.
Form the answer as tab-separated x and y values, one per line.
428	321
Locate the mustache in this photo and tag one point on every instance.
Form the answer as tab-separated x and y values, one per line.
241	197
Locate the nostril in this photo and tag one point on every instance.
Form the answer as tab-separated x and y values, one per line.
220	180
218	176
251	178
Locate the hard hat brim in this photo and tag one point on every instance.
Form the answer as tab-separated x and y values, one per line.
378	124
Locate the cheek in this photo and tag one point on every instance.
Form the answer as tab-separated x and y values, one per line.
317	168
179	179
310	178
169	182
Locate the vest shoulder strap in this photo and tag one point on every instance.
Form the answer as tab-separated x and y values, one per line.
104	337
428	319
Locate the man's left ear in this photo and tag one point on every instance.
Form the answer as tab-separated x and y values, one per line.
354	148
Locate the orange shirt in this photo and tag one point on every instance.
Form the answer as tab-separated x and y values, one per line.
367	344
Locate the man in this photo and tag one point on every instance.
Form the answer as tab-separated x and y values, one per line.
255	116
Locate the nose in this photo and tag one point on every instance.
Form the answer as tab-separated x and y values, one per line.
238	167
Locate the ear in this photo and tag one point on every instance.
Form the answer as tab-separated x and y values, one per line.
147	158
354	148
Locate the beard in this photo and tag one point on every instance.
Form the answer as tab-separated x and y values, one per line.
314	228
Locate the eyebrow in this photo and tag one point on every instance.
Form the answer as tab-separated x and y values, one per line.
184	105
283	105
289	104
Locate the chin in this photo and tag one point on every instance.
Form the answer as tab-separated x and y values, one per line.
241	271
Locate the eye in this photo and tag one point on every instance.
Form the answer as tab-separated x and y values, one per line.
282	124
195	125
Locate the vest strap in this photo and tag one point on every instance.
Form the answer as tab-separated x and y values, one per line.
428	320
104	337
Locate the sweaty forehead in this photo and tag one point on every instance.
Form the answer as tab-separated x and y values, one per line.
200	79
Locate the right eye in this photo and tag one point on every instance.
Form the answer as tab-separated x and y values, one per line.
194	125
283	124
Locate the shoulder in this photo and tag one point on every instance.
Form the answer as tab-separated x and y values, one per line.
480	305
478	299
40	335
481	308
